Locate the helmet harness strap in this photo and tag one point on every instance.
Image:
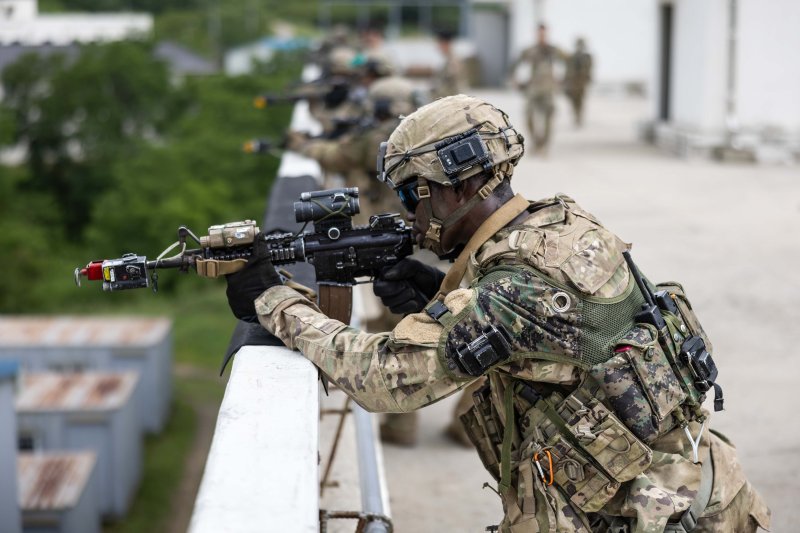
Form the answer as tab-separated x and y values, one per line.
436	225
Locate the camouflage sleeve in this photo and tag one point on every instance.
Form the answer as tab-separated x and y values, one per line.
396	371
333	156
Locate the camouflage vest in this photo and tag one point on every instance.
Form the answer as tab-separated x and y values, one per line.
560	288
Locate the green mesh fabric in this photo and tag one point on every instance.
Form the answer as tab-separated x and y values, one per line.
605	323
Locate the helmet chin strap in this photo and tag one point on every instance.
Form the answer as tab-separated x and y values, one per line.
437	226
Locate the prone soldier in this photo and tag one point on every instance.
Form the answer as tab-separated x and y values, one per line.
591	417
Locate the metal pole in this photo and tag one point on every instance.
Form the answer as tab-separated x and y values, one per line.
395	20
368	473
731	120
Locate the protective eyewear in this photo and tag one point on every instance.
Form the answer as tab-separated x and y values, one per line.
409	195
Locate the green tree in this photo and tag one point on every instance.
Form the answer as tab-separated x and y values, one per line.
76	118
198	174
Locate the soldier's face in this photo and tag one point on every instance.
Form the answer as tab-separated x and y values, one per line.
542	35
444	201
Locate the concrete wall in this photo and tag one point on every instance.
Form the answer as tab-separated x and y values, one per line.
699	63
766	115
768	76
262	472
16	10
619	34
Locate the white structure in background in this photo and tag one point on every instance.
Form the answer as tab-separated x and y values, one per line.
58	492
618	32
728	78
21	23
87	411
78	343
9	494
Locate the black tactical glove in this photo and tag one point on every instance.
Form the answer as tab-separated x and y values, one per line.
247	284
407	286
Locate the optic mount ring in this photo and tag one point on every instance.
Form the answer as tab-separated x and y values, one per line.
561	301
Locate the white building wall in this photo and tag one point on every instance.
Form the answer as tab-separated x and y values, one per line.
522	21
765	122
699	63
619	34
21	23
17	10
768	76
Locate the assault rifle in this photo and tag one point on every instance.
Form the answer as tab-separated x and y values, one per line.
332	92
341	126
339	251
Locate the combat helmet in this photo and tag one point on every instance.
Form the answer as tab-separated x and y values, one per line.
392	97
340	61
449	141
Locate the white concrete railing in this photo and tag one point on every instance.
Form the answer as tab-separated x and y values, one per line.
262	472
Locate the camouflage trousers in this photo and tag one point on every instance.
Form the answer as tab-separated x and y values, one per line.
576	97
539	111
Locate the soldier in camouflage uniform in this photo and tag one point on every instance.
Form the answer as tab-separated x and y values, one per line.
577	76
588	420
353	154
451	78
540	88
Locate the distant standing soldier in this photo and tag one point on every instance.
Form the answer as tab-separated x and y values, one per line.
540	88
577	77
451	79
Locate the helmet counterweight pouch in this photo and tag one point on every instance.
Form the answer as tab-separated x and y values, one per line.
461	152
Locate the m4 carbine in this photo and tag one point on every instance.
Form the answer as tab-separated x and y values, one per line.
339	252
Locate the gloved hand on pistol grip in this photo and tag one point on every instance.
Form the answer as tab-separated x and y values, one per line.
248	284
407	286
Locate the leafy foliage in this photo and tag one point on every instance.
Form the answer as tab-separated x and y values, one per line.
75	118
118	159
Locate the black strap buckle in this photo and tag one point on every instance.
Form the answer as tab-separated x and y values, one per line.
437	310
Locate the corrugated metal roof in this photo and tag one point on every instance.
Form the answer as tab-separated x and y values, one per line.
83	391
52	481
95	331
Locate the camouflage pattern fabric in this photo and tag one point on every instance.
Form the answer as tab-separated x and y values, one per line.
410	150
578	73
540	90
353	156
450	79
410	367
542	59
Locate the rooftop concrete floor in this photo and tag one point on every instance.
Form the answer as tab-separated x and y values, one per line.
729	233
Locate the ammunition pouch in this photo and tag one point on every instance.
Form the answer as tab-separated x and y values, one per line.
690	346
592	451
641	385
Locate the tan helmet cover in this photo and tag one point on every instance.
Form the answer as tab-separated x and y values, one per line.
397	90
340	60
378	63
411	153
